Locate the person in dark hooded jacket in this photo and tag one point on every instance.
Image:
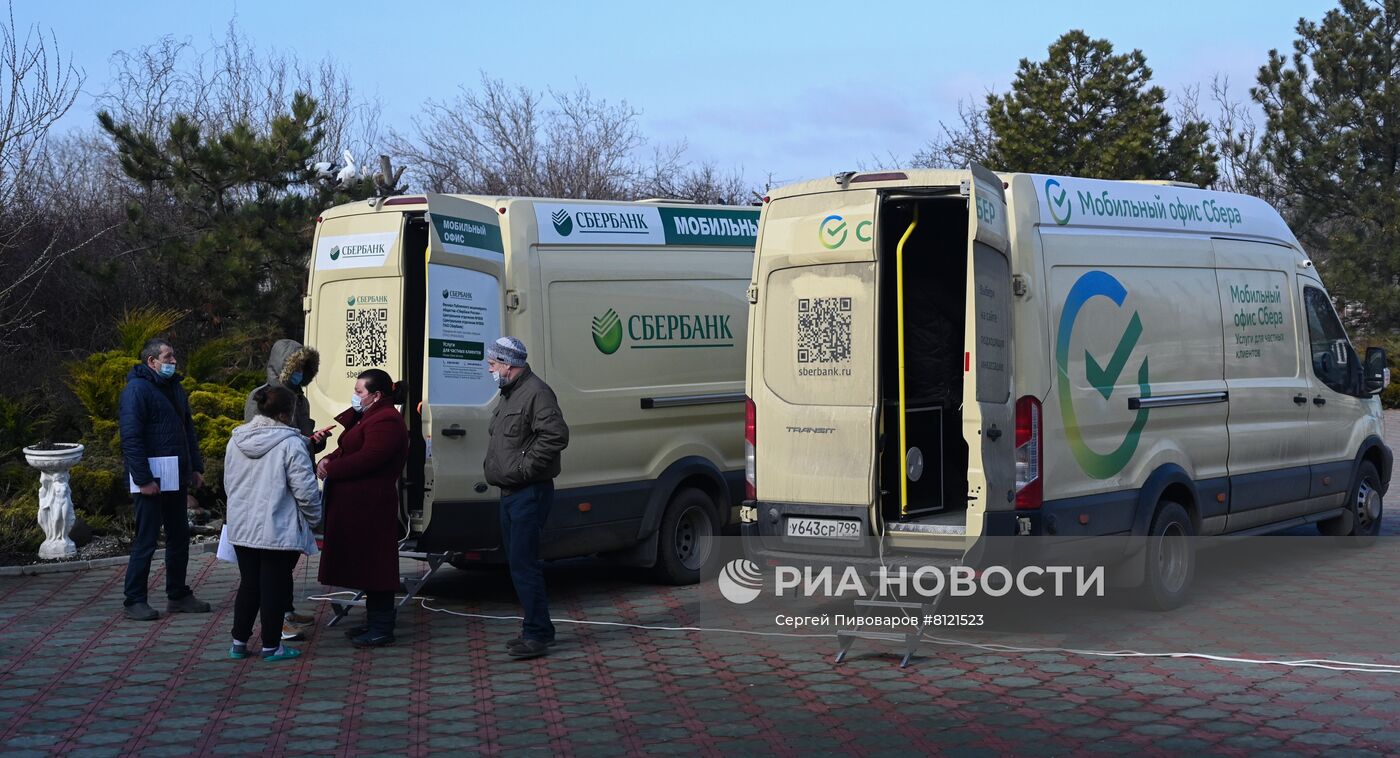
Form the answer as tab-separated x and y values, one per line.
155	422
292	366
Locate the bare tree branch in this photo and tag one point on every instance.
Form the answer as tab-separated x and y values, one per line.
503	140
970	140
37	87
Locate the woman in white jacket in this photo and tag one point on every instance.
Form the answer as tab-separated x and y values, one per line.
273	505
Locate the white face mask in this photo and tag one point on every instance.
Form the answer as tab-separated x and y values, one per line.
499	378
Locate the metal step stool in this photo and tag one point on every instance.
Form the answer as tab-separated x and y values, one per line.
411	584
847	637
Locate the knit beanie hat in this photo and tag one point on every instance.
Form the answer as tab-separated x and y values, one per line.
507	350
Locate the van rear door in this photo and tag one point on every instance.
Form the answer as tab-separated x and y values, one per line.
813	361
989	418
464	300
354	306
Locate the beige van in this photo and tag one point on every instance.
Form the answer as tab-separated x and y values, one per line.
633	312
939	356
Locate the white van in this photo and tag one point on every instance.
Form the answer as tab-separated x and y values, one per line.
633	312
939	356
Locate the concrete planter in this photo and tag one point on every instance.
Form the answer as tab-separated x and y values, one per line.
56	515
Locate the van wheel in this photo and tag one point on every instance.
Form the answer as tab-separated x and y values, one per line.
688	537
1171	558
1364	509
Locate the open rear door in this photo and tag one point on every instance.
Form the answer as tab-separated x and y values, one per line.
813	378
989	422
464	296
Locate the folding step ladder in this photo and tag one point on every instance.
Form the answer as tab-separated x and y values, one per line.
921	610
411	584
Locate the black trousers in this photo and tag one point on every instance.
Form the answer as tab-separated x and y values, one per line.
152	512
264	590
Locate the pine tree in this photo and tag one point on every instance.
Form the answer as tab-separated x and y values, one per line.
1084	111
1332	135
228	216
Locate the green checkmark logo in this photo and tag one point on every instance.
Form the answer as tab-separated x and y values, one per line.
1105	378
1057	198
1102	378
832	232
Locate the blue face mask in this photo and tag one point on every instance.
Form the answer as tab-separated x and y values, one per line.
296	378
167	370
355	402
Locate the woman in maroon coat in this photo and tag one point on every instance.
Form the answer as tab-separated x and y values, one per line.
362	504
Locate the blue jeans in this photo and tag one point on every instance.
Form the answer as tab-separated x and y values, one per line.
523	514
152	512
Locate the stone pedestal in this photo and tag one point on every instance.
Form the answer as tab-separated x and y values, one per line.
56	515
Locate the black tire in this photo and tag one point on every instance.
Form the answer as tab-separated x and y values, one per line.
688	538
1365	507
1171	558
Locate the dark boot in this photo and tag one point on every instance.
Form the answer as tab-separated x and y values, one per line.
381	629
356	631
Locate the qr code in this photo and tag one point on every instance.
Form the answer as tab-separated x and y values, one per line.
367	337
824	330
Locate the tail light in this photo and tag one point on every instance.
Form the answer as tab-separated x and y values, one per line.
1029	434
750	440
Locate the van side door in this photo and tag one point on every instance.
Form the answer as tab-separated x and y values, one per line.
1337	407
1268	383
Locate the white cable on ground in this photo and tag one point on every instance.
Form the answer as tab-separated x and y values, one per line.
1321	663
424	603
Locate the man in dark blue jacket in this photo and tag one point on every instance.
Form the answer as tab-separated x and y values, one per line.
156	423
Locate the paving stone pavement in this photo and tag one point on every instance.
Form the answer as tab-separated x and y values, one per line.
76	679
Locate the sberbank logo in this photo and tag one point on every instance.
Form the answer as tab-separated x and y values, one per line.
662	331
833	231
607	332
366	250
450	294
367	300
562	222
1102	378
1057	200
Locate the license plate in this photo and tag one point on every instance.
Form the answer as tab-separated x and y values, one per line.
826	528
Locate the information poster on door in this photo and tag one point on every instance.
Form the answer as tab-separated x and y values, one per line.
464	314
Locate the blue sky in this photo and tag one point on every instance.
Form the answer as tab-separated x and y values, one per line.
797	90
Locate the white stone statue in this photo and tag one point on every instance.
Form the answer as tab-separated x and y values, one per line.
56	515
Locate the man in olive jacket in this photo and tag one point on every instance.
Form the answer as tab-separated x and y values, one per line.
527	434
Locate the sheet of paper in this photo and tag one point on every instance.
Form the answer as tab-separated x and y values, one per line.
166	470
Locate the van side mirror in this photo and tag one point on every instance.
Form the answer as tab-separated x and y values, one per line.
1377	367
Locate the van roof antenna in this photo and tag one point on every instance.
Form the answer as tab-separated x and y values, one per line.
844	178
